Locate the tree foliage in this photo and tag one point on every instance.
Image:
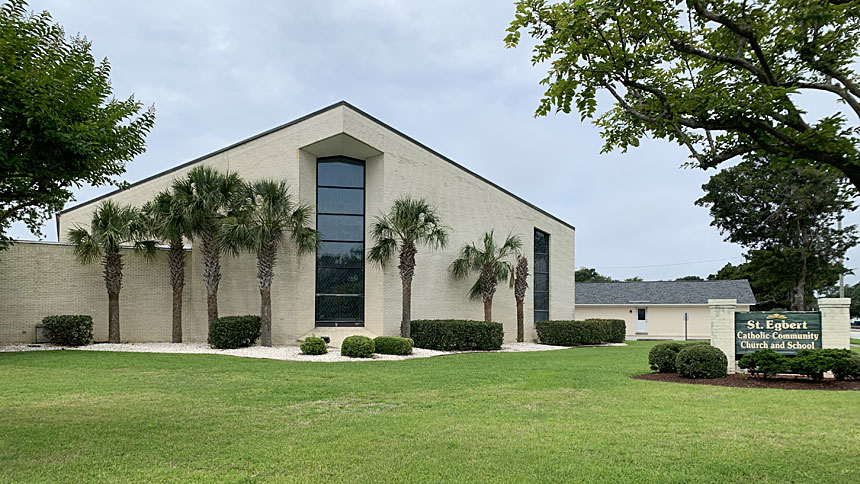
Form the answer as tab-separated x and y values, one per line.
491	261
410	222
786	216
586	274
263	215
723	78
60	125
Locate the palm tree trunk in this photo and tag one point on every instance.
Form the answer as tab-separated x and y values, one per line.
266	317
406	313
113	282
488	309
520	326
177	314
211	272
176	260
266	258
113	317
407	270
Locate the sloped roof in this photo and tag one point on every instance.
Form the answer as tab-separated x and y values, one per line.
663	292
304	118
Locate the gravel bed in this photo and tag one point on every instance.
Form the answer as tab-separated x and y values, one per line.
287	353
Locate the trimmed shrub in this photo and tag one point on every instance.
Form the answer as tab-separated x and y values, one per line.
231	332
313	346
457	335
393	345
662	357
701	361
576	333
815	363
847	368
68	330
766	363
357	347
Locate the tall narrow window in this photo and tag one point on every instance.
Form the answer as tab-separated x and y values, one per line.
541	280
340	258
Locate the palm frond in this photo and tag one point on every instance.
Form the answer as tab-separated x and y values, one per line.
84	246
475	293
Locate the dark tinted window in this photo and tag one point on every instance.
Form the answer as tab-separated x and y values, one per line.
340	258
340	172
340	308
338	200
340	254
341	227
541	276
340	281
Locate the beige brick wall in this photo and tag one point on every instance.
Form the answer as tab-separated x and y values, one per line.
467	204
41	279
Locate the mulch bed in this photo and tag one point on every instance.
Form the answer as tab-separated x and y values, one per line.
745	381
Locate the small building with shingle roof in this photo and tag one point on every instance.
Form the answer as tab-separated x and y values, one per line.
657	309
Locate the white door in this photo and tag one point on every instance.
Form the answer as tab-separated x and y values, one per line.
642	320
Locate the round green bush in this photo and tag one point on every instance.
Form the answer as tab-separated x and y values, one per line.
313	346
68	330
700	361
662	357
393	345
357	347
234	331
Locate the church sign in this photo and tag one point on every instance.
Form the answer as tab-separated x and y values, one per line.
785	333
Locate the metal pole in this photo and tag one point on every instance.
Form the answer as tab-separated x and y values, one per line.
841	275
685	326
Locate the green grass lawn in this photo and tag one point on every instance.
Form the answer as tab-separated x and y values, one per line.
855	341
571	415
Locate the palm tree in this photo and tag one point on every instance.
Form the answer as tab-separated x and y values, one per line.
519	281
204	196
166	221
407	224
492	265
111	227
265	213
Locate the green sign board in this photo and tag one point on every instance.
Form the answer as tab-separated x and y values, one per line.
785	333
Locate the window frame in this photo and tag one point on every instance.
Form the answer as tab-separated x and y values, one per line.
535	293
335	322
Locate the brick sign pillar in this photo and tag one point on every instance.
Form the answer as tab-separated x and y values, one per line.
723	328
835	322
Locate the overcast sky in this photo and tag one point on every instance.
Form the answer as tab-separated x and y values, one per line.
218	72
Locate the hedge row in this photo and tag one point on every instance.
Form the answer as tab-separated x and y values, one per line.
457	335
68	330
844	364
576	333
231	332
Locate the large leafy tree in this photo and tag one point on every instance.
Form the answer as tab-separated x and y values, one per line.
409	223
60	125
722	78
167	221
491	261
112	226
205	196
264	215
786	216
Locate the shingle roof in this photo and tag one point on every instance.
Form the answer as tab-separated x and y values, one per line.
663	292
